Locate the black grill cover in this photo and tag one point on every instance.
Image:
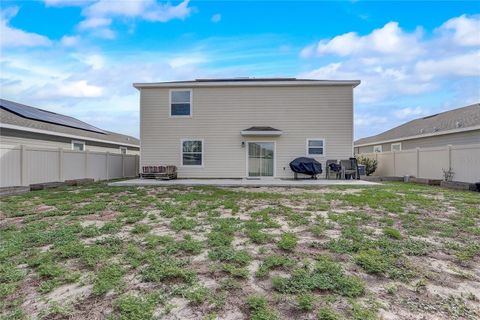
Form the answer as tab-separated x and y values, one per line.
306	166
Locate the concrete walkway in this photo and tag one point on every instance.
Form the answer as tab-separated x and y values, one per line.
242	183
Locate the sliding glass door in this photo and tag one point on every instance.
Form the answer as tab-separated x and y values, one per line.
261	159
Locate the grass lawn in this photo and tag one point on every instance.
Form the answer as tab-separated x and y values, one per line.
397	251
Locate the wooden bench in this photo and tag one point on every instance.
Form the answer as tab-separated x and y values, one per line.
159	172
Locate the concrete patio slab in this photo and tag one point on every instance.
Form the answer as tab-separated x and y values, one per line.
242	183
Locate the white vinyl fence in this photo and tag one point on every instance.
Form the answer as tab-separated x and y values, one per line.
22	166
464	160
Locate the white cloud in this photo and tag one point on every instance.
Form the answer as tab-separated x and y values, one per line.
458	65
369	120
216	18
96	86
92	23
94	61
78	89
464	30
393	63
66	89
13	37
167	12
69	41
100	14
388	40
66	3
410	112
105	8
182	61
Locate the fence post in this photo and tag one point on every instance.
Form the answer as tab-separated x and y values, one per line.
60	164
23	166
449	149
137	165
123	165
107	160
86	164
394	169
418	162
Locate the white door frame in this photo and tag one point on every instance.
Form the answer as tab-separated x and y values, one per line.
274	157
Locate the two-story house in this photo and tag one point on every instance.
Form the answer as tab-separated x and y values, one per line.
244	127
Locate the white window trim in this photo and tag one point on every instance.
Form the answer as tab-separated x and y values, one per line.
126	150
380	146
316	155
170	103
181	153
78	142
396	144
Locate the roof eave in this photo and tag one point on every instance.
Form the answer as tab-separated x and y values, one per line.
272	133
66	135
419	136
197	84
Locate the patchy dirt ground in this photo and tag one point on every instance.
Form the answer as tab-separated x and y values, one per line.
397	251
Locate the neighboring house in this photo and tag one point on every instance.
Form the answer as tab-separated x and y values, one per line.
29	126
244	127
455	127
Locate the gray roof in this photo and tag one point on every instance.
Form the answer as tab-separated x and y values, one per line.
247	81
460	119
261	129
12	118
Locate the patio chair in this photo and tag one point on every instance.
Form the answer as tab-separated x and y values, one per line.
354	162
332	168
348	168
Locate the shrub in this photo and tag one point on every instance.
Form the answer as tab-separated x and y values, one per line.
229	254
327	314
190	245
259	309
372	261
326	275
141	228
108	278
130	307
305	301
182	223
235	271
272	262
370	164
392	233
288	241
258	236
161	269
197	295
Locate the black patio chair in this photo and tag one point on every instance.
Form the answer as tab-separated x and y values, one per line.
332	167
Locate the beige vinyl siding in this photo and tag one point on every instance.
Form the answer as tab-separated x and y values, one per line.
220	113
16	137
460	138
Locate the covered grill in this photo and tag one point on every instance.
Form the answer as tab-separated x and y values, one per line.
307	166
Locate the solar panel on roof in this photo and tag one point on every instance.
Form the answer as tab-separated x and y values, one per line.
46	116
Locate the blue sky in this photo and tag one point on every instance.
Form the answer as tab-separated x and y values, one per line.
80	57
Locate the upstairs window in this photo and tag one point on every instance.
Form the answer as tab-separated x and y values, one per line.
396	146
377	148
192	153
315	147
123	150
180	103
78	145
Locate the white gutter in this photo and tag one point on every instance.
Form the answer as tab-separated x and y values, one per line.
426	135
267	83
260	133
59	134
